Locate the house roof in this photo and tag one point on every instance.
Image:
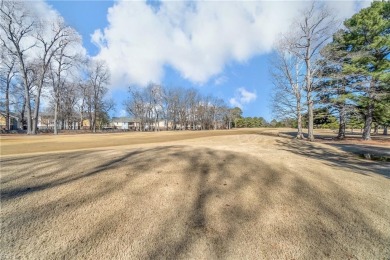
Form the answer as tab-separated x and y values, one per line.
123	120
11	114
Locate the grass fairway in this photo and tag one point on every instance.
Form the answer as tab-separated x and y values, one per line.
200	195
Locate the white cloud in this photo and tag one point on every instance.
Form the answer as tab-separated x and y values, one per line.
242	97
197	39
220	80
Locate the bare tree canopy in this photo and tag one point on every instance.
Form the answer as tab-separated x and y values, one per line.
309	33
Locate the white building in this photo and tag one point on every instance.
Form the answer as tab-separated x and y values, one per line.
125	123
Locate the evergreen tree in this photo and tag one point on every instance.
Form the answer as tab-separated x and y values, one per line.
335	89
367	42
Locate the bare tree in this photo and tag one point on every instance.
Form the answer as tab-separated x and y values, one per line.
181	108
83	91
310	32
155	96
7	75
16	31
68	100
33	42
193	101
287	76
98	79
137	106
50	42
172	97
60	68
217	106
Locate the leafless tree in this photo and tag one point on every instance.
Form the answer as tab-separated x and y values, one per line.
180	108
217	111
287	76
98	79
136	105
155	96
64	60
33	42
310	32
52	38
7	76
17	28
193	97
83	90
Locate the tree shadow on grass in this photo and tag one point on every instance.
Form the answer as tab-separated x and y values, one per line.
178	202
335	158
7	194
363	149
349	136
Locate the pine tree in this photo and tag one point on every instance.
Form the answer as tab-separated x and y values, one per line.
335	88
367	41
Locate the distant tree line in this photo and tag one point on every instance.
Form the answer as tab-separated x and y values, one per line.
322	71
160	107
250	122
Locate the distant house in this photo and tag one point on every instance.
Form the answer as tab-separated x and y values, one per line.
45	121
14	122
124	123
86	124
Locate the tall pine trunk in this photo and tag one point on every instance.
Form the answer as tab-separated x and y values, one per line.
342	123
367	122
369	113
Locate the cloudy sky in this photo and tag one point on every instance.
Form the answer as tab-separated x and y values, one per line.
220	47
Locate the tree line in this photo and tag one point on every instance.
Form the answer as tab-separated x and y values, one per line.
177	108
345	69
44	59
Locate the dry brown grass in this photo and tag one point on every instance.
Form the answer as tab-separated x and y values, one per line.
22	144
237	196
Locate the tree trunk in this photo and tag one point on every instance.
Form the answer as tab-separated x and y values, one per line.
299	120
7	124
94	121
367	123
376	129
56	117
27	98
90	119
369	114
36	110
310	130
385	130
341	134
21	119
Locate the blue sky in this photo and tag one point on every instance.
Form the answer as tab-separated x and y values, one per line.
219	48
